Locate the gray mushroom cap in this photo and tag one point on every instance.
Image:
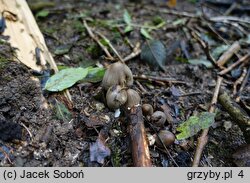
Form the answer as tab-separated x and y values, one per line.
117	74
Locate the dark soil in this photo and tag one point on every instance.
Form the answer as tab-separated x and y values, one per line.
49	141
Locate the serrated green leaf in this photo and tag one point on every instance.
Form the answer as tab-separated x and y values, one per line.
42	13
65	78
126	17
128	28
154	53
219	50
94	75
205	62
145	33
194	124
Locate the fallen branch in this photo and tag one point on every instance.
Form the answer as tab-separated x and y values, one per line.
203	139
140	150
241	60
237	113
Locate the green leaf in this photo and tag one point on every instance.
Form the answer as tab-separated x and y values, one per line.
194	124
145	33
154	53
65	78
128	28
126	17
42	13
205	62
94	75
219	50
61	112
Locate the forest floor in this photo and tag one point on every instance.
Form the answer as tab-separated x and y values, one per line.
44	138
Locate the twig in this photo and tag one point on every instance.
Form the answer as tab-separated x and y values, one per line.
141	87
204	46
161	79
231	8
235	47
173	12
135	53
228	18
239	81
6	155
243	85
241	60
125	38
91	34
30	134
216	33
190	94
110	45
203	139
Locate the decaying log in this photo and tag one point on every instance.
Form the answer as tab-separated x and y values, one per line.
24	33
237	113
140	150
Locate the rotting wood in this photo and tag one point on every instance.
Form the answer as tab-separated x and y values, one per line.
24	34
140	150
237	113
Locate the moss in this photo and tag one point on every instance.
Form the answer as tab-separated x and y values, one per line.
94	50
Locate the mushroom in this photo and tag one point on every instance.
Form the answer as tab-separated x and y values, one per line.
166	137
116	96
133	98
147	109
159	118
117	74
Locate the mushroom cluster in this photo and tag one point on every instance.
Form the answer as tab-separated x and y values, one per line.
158	119
116	81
